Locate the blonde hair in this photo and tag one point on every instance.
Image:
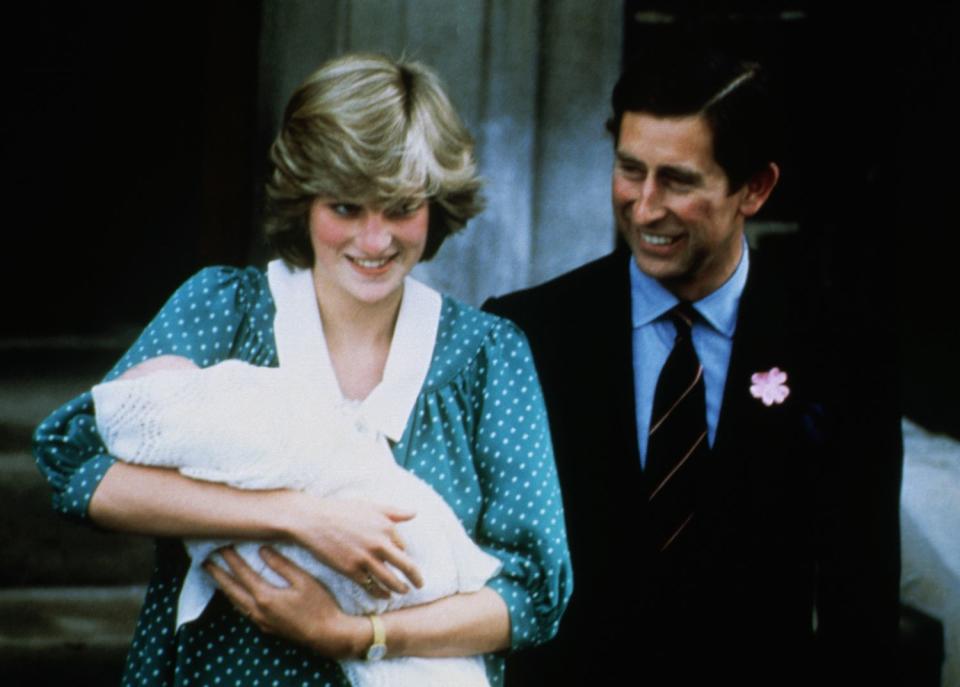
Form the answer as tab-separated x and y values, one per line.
370	130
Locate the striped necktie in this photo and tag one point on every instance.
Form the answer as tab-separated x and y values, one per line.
677	442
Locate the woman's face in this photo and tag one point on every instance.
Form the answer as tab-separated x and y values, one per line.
362	253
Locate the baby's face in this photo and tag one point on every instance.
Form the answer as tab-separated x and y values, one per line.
159	364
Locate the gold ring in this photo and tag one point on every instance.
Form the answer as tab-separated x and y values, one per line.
369	582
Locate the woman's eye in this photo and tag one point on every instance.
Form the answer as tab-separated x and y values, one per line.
344	209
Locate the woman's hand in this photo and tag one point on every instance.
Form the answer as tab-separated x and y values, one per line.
305	612
357	539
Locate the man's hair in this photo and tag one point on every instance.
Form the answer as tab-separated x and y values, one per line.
732	95
369	130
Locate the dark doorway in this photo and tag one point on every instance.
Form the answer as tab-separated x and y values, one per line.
126	136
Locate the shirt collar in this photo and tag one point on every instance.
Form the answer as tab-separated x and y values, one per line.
649	300
301	346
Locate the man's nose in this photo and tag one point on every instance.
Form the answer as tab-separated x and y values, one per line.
648	206
374	236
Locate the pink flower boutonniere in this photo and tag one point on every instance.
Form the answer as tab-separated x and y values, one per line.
770	387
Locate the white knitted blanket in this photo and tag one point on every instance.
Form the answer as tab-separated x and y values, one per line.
263	428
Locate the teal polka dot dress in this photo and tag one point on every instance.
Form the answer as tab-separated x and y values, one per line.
478	434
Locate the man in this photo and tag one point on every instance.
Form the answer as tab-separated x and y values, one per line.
727	436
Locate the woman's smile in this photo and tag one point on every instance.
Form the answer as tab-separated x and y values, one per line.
370	264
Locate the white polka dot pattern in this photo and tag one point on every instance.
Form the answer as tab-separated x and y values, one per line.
478	434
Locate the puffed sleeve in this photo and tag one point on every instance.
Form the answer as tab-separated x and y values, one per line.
521	521
219	313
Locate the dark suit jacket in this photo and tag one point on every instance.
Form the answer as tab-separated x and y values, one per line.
798	504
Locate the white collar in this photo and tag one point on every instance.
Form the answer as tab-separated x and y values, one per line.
302	346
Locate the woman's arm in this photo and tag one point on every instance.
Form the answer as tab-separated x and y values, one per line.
458	625
356	538
162	502
306	613
521	520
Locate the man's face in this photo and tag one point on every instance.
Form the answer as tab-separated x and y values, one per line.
671	203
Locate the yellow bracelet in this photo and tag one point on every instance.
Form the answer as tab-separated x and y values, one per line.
378	649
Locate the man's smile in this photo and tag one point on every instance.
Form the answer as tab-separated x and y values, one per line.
657	239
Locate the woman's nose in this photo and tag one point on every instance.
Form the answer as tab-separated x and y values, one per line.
374	236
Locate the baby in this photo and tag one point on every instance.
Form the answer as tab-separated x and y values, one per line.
266	428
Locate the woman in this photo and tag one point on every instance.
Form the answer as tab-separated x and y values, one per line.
372	170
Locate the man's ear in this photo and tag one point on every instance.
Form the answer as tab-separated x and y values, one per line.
758	188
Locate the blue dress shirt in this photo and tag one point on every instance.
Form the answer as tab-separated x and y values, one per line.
653	335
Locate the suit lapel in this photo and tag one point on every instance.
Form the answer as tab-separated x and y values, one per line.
762	340
620	360
754	464
605	350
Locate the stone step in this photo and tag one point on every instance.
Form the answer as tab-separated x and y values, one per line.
66	635
38	547
69	594
36	380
